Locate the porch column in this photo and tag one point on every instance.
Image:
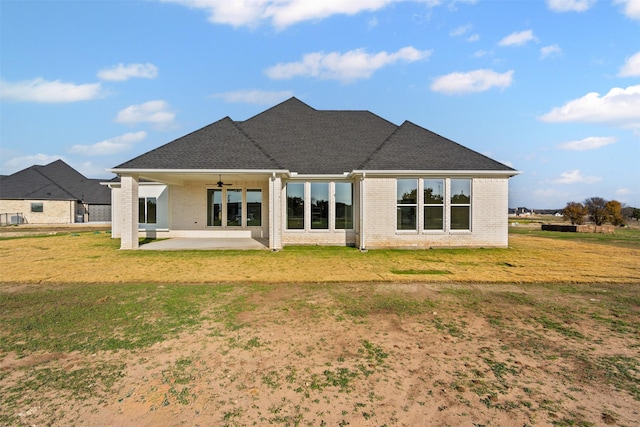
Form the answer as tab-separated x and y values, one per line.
275	213
129	212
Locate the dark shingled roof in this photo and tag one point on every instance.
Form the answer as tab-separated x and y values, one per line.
55	181
299	138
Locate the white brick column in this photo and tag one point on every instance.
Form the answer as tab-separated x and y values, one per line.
275	213
129	212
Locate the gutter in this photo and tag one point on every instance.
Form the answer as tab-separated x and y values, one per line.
198	171
438	173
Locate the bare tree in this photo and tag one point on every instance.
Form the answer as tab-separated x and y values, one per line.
597	209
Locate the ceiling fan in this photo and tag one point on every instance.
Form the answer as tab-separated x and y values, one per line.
220	183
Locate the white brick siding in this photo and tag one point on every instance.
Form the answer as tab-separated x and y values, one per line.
182	212
489	209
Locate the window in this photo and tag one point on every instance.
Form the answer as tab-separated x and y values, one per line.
214	207
407	192
295	206
37	207
254	208
147	210
320	205
234	208
344	206
433	193
460	204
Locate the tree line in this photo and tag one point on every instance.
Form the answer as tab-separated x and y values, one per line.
598	210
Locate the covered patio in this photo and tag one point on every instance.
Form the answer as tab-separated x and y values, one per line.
208	244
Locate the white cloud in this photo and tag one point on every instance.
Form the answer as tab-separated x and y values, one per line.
123	72
631	68
18	163
110	146
473	81
576	177
284	13
623	192
473	38
518	38
631	8
346	67
550	51
480	53
620	107
40	90
254	96
154	112
570	5
461	30
590	143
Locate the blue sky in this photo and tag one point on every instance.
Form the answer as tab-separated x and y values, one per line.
551	88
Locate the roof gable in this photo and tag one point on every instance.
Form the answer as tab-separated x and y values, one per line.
55	181
220	145
412	147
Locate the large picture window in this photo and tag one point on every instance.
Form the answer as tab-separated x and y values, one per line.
147	210
460	204
225	207
433	199
254	208
344	205
319	205
295	206
214	207
407	199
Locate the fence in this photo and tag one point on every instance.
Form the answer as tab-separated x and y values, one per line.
12	218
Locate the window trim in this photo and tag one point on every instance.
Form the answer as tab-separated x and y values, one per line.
414	205
333	205
442	205
469	205
145	202
37	207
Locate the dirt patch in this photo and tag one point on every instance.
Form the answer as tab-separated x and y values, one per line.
477	355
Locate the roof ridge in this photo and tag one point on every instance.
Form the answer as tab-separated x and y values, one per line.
256	144
36	169
379	147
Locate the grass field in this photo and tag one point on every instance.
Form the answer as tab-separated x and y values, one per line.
532	257
546	332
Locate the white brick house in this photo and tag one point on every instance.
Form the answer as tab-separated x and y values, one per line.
293	175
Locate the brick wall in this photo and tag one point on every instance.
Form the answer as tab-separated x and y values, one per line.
489	211
53	212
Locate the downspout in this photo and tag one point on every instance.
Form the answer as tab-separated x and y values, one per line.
363	247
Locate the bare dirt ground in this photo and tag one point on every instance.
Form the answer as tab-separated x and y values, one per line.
476	357
544	333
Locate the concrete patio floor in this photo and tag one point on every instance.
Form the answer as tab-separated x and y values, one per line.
202	243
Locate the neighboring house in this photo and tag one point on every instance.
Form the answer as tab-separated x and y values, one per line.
294	175
522	211
52	194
